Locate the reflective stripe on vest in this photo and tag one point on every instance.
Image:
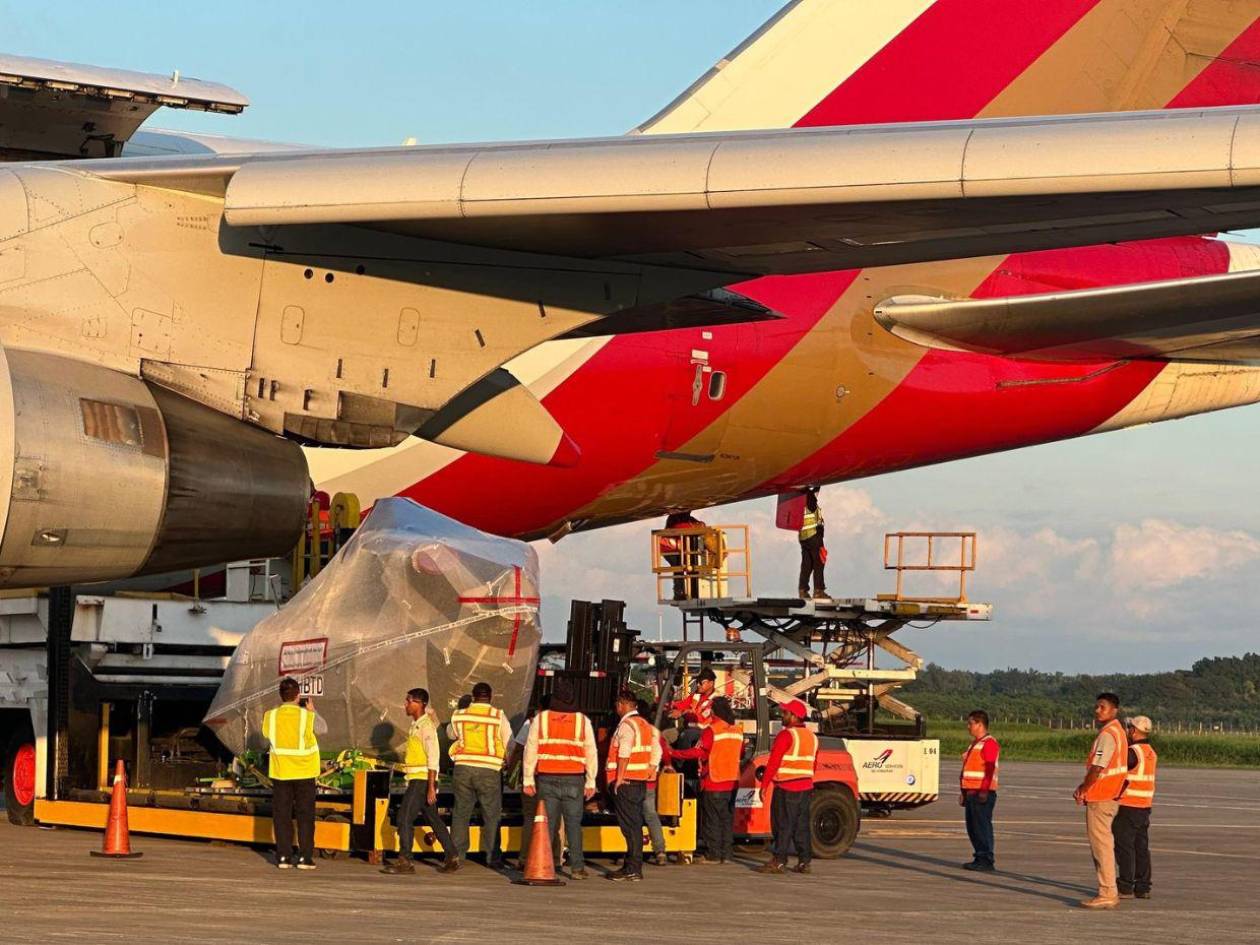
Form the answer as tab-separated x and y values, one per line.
799	760
973	766
639	765
416	761
294	752
728	746
810	523
1139	791
1116	768
561	742
478	737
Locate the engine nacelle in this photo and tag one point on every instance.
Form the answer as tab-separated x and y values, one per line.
105	476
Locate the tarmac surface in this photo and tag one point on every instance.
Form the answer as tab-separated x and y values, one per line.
900	884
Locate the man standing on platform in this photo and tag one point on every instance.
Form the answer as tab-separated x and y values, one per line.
1105	773
1133	820
791	772
978	784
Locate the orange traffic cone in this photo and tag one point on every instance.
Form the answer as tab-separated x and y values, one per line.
540	870
117	838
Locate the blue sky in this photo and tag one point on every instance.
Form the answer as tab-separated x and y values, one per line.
1133	550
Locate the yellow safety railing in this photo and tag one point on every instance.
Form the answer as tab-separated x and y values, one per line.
945	552
697	563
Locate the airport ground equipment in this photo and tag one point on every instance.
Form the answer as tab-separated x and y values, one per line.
744	672
827	651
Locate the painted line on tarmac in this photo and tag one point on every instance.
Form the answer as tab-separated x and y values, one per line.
1063	841
1160	804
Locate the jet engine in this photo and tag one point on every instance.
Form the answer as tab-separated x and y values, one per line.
104	476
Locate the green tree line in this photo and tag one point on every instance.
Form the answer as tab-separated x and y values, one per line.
1218	690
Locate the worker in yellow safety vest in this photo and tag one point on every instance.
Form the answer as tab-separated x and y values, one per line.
421	760
292	767
1133	820
813	551
1105	771
790	770
634	755
480	735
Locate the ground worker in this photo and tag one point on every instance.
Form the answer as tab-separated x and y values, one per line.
561	764
719	752
634	756
420	770
1133	820
790	772
672	548
696	709
650	815
977	790
813	552
1105	773
479	735
293	766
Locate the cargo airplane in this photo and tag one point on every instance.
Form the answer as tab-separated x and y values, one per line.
874	236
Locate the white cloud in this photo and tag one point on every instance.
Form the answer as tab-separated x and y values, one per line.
1157	554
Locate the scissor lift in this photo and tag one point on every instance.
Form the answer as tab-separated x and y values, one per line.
826	650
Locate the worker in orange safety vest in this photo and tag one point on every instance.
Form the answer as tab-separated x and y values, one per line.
720	751
977	790
790	771
634	755
672	548
1106	769
1133	820
561	764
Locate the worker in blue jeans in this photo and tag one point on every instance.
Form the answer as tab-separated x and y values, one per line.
561	762
651	818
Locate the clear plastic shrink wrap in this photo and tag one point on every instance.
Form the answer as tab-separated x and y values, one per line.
413	599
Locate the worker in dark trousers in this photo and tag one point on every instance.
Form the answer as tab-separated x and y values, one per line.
635	751
420	770
790	773
719	752
1133	820
977	790
293	766
673	547
813	552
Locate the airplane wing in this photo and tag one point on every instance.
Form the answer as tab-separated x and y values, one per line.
770	202
51	110
1206	318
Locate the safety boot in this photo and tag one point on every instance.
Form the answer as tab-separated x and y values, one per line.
1098	902
399	867
773	865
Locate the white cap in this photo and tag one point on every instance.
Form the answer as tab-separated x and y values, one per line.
1141	723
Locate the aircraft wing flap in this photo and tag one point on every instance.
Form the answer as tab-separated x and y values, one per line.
51	110
795	200
1204	318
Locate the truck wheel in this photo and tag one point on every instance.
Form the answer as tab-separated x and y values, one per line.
833	822
19	780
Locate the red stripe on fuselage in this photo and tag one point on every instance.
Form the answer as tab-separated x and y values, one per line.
917	76
1231	79
618	406
954	404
